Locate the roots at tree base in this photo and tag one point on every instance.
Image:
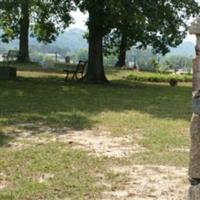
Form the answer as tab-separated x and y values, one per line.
95	80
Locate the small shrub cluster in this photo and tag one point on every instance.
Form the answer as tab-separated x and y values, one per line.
158	77
173	82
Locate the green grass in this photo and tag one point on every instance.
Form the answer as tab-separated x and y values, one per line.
72	173
161	158
155	114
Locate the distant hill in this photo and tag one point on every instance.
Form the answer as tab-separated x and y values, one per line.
71	39
186	48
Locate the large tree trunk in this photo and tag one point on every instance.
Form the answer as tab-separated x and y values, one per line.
122	52
24	33
95	71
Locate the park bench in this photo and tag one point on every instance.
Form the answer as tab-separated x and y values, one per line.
11	56
79	69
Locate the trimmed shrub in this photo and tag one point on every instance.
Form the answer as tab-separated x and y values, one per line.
173	82
158	77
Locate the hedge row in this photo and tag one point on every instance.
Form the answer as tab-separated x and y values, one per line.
158	77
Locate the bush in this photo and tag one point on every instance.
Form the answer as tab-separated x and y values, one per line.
173	82
158	77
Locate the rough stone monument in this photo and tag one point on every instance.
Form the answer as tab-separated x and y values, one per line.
194	165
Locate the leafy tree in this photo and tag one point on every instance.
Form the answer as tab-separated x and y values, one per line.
155	64
43	19
99	25
164	23
110	60
142	58
161	24
175	62
81	54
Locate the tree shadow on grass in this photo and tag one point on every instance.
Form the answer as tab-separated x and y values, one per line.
74	105
4	139
158	99
52	96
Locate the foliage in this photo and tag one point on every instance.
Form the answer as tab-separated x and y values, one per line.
173	82
47	18
176	62
156	65
157	77
110	60
161	24
142	58
36	56
153	23
70	40
167	25
81	54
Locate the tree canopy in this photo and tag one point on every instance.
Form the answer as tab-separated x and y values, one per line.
159	24
44	20
151	22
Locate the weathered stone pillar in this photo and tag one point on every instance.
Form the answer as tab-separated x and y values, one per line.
194	165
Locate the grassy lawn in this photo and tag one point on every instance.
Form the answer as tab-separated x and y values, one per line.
154	115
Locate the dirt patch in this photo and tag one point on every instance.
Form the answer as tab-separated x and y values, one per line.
137	182
16	145
45	177
181	150
103	144
4	183
149	183
99	143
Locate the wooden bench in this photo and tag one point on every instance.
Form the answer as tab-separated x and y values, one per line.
11	56
79	69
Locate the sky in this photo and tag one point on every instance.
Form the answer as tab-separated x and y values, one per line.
190	38
81	18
